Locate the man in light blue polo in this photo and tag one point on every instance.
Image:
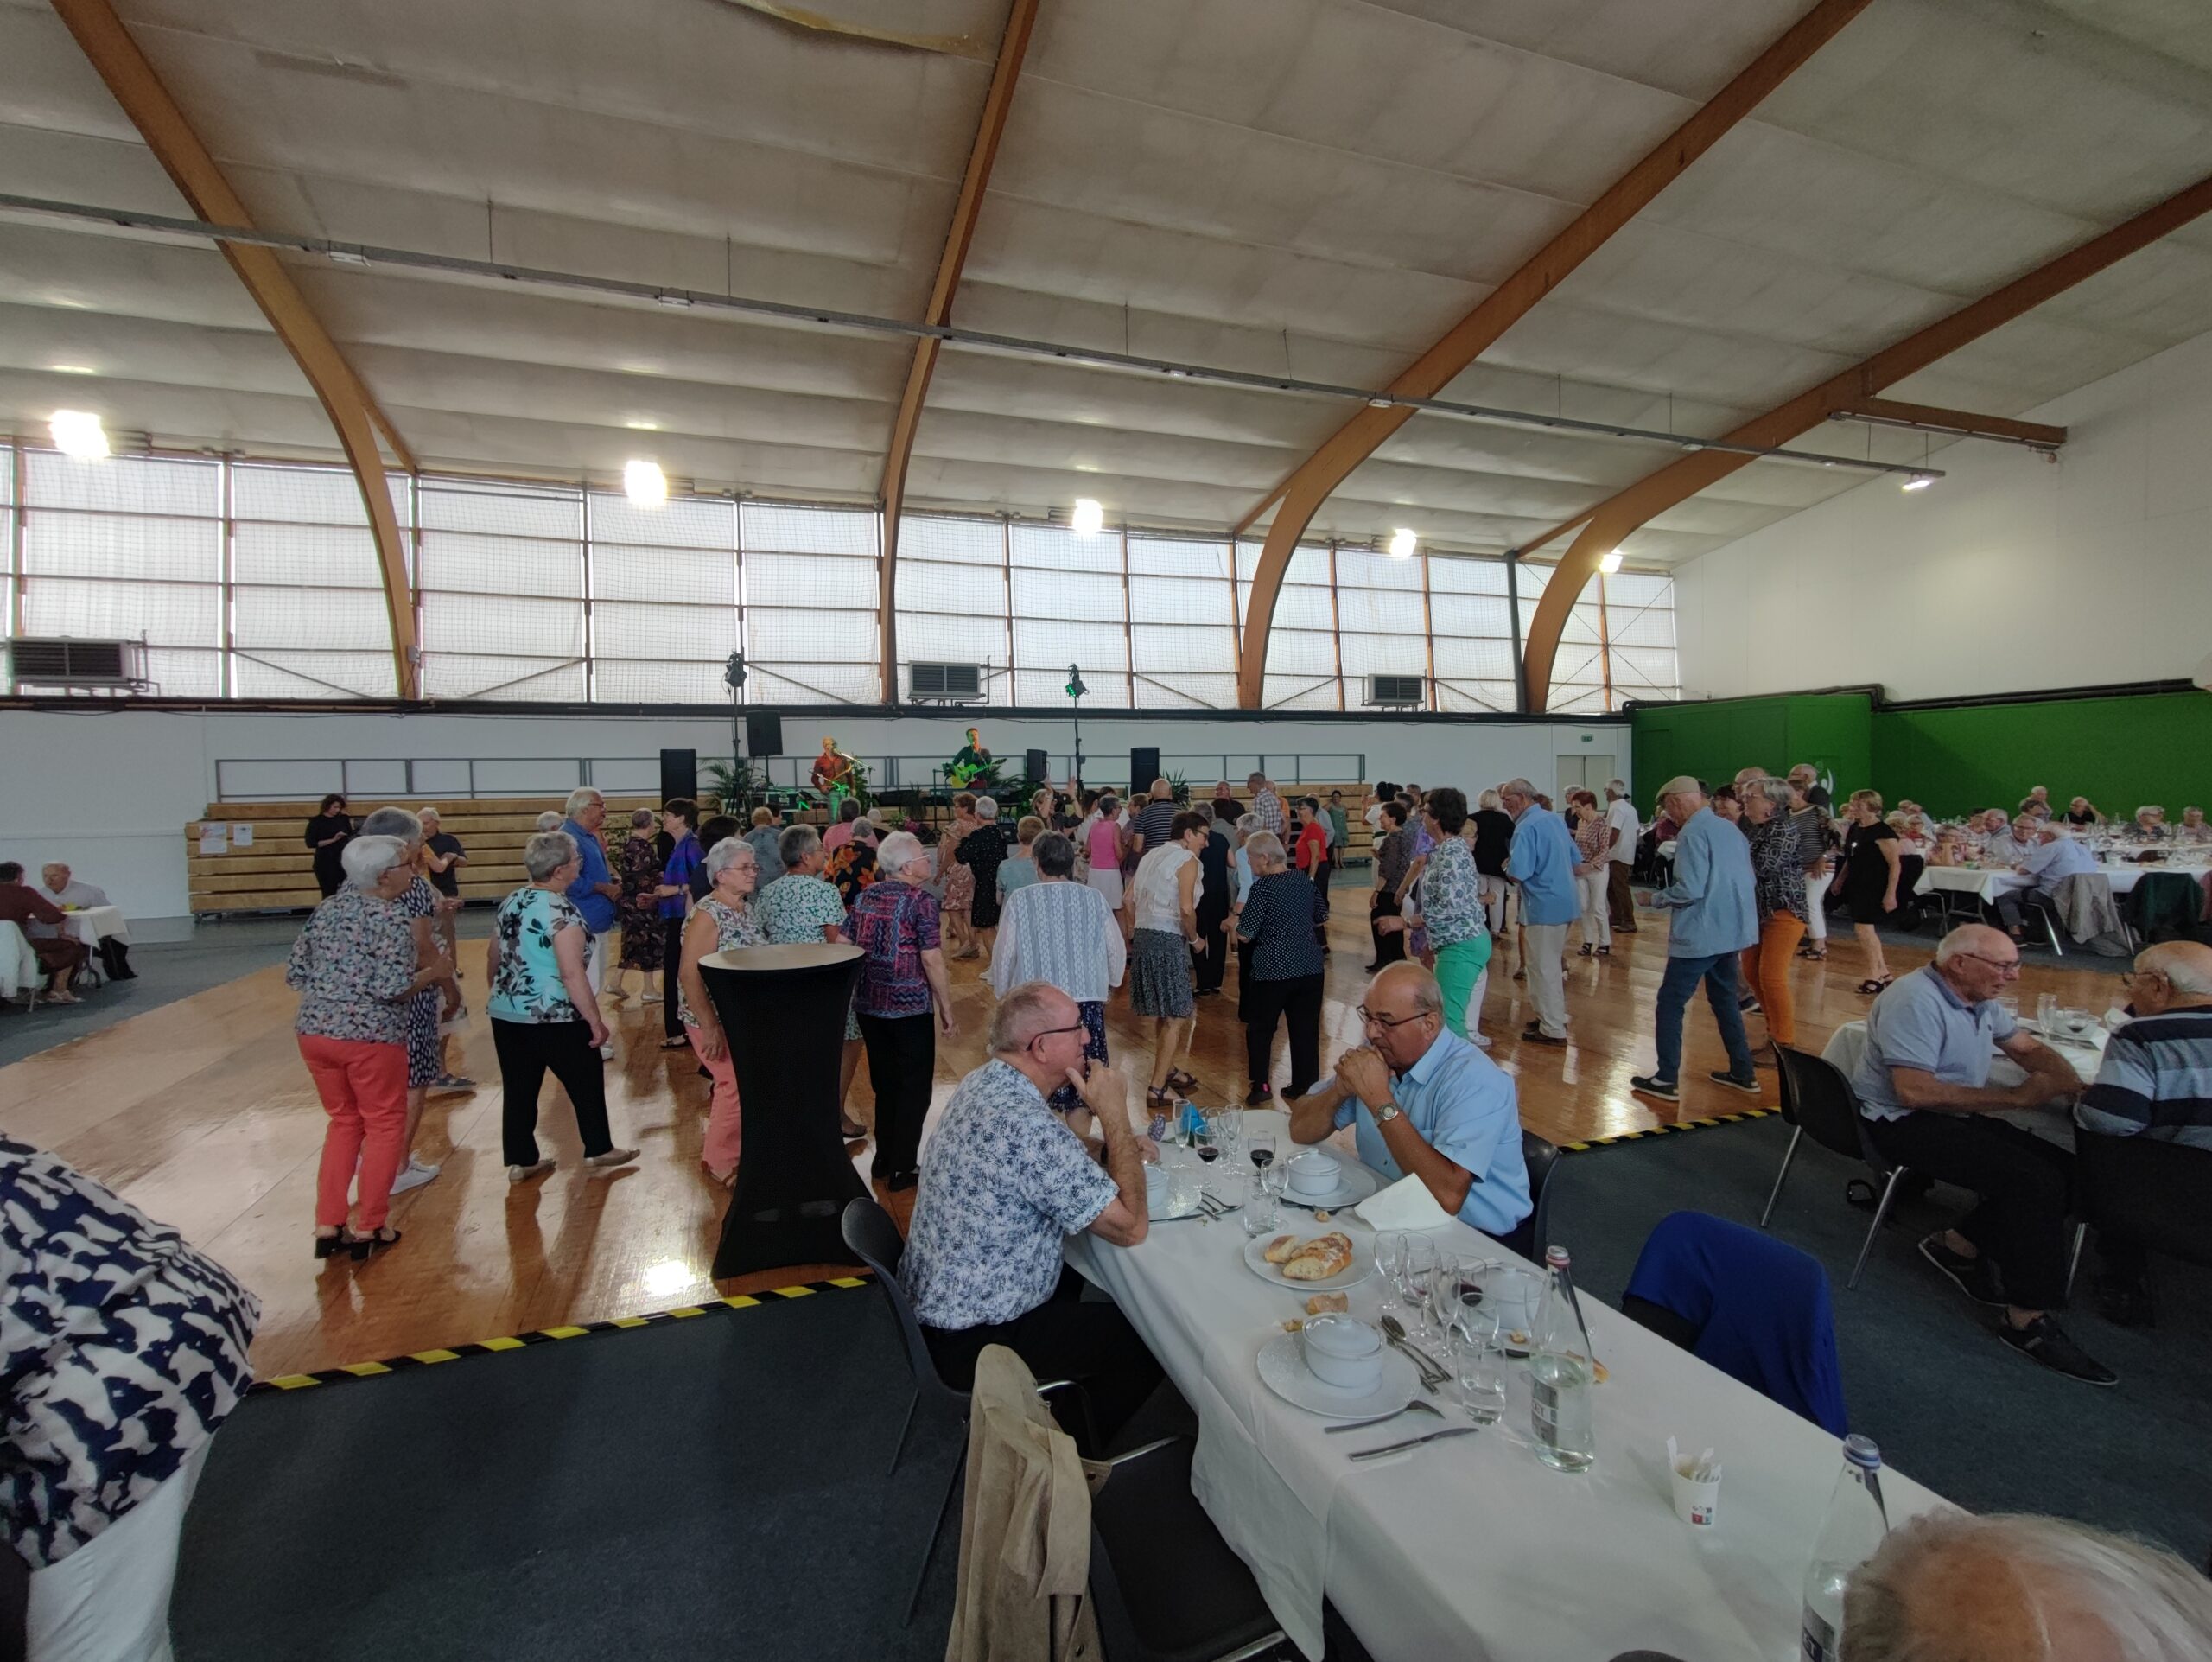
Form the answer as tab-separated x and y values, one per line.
1542	862
1428	1105
1714	899
2053	856
594	890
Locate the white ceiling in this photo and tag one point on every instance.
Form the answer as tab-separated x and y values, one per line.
1318	187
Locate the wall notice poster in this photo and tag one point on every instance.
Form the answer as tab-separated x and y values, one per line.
242	836
215	838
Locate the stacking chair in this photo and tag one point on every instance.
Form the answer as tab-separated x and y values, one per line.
1818	1101
1535	1232
2152	1192
2164	906
874	1239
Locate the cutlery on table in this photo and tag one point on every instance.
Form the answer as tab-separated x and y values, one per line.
1396	1331
1416	1405
1414	1443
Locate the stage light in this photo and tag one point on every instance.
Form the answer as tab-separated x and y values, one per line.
1075	687
1609	562
644	484
1918	482
1402	543
1089	518
77	433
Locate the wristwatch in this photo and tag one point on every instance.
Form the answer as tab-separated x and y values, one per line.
1387	1112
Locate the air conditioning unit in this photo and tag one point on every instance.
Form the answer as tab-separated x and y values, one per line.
1398	691
945	683
66	663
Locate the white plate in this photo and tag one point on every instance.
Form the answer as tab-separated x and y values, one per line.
1256	1259
1356	1183
1161	1212
1283	1370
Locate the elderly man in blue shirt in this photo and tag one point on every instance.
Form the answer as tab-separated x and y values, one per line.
1428	1104
1714	901
2053	856
594	890
1542	862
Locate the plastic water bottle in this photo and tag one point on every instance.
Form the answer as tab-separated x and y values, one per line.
1856	1524
1560	1373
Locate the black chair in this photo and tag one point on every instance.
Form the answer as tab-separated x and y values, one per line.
1534	1232
2164	906
874	1239
2155	1194
1165	1586
1818	1101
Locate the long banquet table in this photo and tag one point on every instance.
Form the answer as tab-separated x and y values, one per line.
1472	1547
1987	883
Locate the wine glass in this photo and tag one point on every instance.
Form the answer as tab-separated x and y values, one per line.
1417	1273
1261	1146
1390	1264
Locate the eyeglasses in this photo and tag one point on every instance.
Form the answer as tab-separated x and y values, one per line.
1049	1032
2007	966
1386	1023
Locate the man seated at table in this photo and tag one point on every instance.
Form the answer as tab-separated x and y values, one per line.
2155	1082
1004	1182
1923	1085
2052	857
2003	843
1428	1104
61	885
59	953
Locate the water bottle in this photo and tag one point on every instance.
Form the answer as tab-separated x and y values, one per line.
1560	1373
1856	1524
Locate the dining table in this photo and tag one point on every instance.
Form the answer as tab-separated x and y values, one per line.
94	924
1986	882
19	970
1472	1547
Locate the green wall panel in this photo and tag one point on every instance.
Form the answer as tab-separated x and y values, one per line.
1713	741
2118	752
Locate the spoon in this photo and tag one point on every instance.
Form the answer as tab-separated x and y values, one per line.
1396	1331
1416	1404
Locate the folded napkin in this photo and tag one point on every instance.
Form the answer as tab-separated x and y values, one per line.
1406	1204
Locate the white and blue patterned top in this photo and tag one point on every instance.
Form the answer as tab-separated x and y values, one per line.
527	986
1451	895
123	1348
1003	1181
795	909
1062	932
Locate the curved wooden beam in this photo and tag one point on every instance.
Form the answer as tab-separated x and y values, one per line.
1306	489
1614	520
1014	45
115	55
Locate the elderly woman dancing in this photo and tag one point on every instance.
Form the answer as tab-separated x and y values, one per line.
544	1015
902	979
425	1058
723	921
356	969
1062	932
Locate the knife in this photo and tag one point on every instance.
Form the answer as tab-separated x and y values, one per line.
1415	1443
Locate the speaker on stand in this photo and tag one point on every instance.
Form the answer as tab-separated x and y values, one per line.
1144	767
679	775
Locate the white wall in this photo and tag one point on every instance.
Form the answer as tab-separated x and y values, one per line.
110	791
2011	574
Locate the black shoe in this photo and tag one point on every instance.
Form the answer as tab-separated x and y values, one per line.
1259	1096
1649	1084
1370	969
1533	1034
2042	1341
1735	1081
2126	1304
903	1180
1973	1276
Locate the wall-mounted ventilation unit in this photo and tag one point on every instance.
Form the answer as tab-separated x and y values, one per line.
945	684
108	665
1398	691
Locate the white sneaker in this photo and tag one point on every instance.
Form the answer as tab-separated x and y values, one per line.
1480	1042
607	1051
414	1175
598	1165
524	1174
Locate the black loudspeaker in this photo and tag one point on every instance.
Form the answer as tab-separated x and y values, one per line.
1039	766
1144	767
764	733
679	775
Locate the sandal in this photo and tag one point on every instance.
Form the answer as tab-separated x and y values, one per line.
675	1044
365	1246
1156	1097
1604	952
1588	951
1816	956
1875	983
1179	1081
330	1246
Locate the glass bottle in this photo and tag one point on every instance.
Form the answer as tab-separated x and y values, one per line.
1857	1521
1560	1373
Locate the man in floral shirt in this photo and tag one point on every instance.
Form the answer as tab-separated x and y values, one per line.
1005	1181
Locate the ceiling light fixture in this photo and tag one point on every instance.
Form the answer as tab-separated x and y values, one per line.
644	484
73	369
1918	482
1402	543
643	426
1089	518
78	433
1610	562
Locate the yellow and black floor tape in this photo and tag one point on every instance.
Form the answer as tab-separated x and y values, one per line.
422	1358
1667	1130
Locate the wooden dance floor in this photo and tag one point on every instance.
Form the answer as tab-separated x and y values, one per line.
202	1114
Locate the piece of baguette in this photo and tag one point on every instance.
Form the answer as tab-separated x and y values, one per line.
1321	1303
1280	1248
1319	1258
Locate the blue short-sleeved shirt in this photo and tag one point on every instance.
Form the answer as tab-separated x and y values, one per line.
683	860
597	909
1920	1022
1542	862
1464	1107
1003	1181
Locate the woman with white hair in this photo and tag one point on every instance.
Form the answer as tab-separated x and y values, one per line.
982	851
1061	932
543	1015
1282	970
723	922
902	979
426	1069
356	969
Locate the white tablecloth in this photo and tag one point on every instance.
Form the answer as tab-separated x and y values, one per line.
2054	1121
97	923
1473	1549
1989	882
18	963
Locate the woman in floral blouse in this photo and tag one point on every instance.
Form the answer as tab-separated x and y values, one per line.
723	921
636	908
354	967
902	979
544	1015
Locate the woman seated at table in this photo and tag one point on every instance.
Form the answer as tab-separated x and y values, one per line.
1909	841
2192	829
2150	826
1950	848
2082	812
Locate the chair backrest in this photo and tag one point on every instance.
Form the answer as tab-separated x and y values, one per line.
2150	1190
875	1241
1534	1233
1817	1096
1760	1310
2164	904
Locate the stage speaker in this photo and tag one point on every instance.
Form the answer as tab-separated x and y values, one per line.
679	775
764	733
1144	767
1039	766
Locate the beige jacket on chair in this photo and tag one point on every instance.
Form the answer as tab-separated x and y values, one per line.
1024	1528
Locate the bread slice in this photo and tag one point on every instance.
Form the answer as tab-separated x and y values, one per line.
1319	1258
1280	1248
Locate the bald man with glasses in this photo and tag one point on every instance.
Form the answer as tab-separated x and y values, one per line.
1923	1087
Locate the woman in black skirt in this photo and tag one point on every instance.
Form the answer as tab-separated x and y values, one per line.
1868	881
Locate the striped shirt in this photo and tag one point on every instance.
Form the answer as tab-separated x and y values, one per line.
1268	806
1277	920
2155	1081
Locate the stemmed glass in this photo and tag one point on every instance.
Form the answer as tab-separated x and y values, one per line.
1390	1264
1417	1276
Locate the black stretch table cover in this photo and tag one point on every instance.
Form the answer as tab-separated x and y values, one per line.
783	1010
